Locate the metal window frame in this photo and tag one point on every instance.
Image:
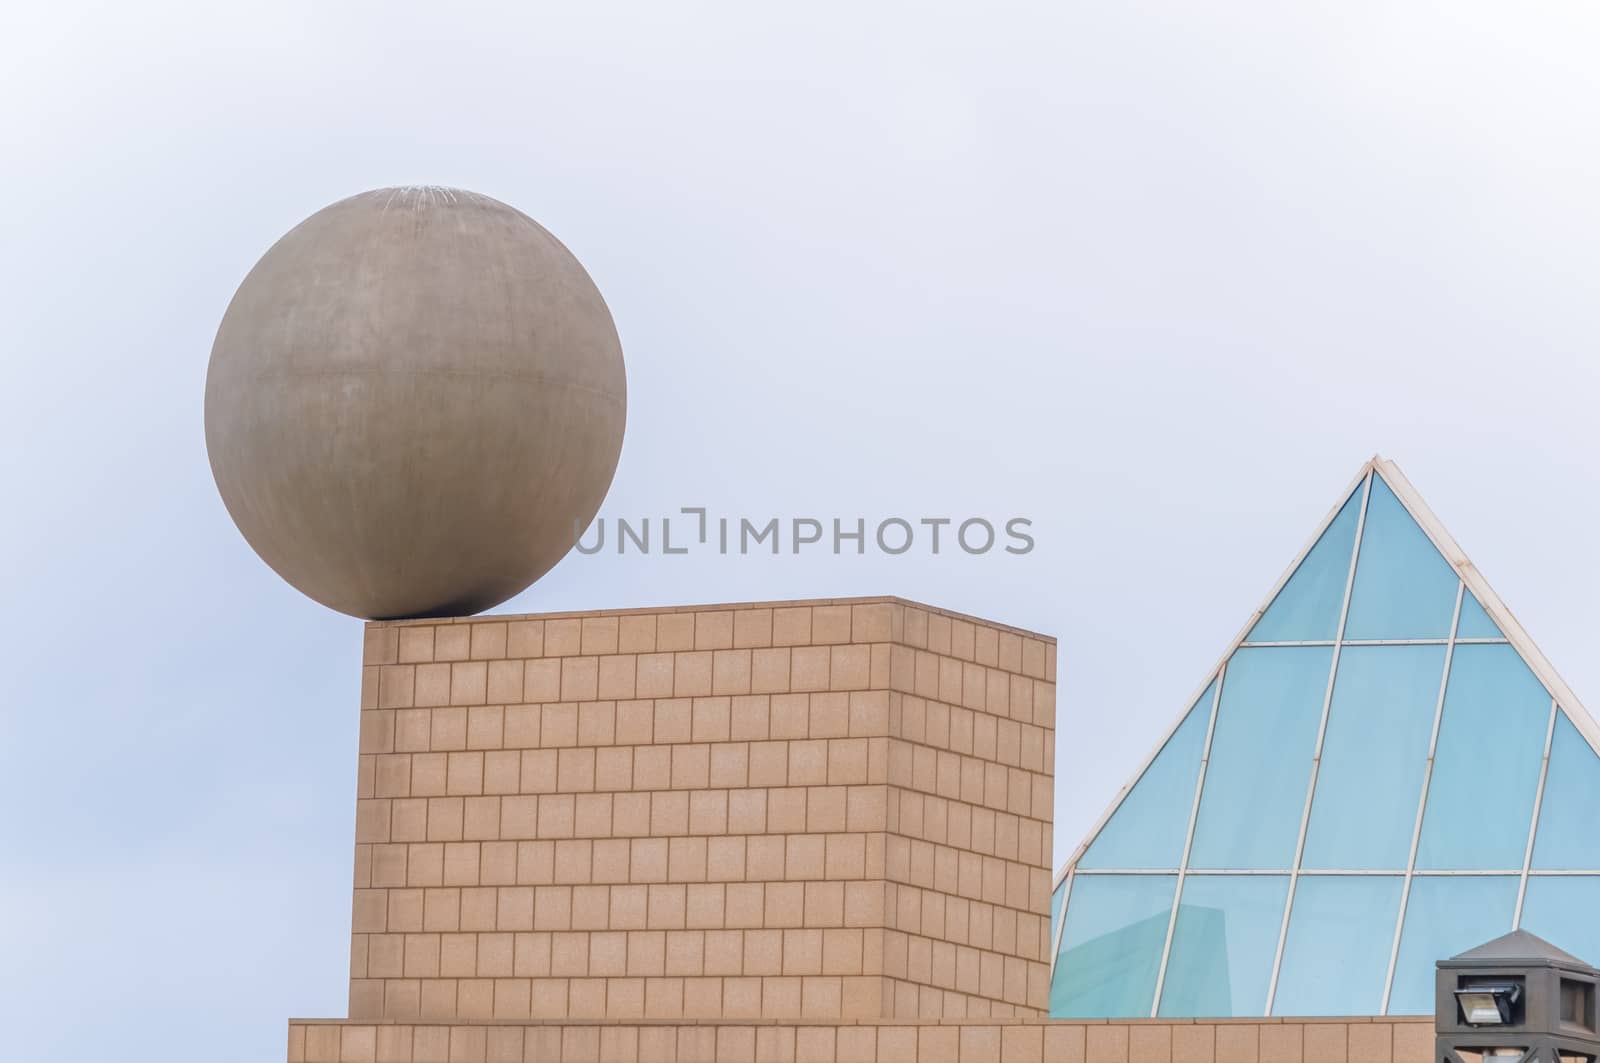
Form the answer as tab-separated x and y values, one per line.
1538	803
1188	843
1422	798
1562	701
1322	734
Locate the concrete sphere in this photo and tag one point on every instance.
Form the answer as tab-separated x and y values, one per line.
413	399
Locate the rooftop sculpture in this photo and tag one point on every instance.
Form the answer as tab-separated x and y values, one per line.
414	400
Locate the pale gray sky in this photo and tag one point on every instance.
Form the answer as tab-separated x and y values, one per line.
1159	276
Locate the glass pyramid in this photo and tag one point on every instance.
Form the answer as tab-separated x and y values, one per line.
1383	771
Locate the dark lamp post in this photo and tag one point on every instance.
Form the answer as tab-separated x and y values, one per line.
1517	999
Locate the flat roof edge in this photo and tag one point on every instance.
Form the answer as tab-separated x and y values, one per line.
793	603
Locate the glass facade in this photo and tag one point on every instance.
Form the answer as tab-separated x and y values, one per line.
1374	779
1404	588
1307	609
1562	907
1148	828
1475	623
1261	757
1111	943
1223	944
1491	740
1374	755
1446	915
1336	953
1567	838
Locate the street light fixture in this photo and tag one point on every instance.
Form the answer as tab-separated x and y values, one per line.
1489	1004
1517	999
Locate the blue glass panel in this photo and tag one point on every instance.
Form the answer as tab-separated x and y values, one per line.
1336	956
1404	588
1561	910
1567	838
1474	622
1223	945
1486	766
1266	733
1055	907
1148	829
1111	946
1373	758
1444	917
1307	608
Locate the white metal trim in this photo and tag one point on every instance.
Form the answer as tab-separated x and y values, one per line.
1188	838
1174	871
1322	733
1533	825
1422	798
1061	925
1380	642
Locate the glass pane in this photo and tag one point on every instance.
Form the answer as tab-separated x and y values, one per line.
1055	908
1111	946
1307	609
1561	910
1148	829
1474	622
1486	767
1567	838
1266	733
1445	917
1404	588
1336	956
1373	758
1223	945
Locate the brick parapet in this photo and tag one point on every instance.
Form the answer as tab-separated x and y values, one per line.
824	809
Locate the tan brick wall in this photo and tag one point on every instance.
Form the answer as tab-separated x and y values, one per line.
971	767
1356	1040
822	809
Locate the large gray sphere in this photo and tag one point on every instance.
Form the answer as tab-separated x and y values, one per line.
413	399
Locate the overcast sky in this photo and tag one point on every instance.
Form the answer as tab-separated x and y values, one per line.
1158	277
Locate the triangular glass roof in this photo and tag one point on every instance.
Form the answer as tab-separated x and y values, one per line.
1383	771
